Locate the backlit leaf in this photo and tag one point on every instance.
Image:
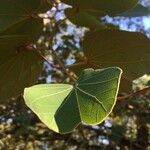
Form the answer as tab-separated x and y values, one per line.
62	107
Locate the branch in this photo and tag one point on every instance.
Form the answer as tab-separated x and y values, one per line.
78	64
51	64
31	47
54	53
146	90
62	66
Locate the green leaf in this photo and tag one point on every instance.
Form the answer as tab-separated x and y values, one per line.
103	7
138	11
125	85
62	107
83	18
20	17
87	13
19	66
128	50
20	26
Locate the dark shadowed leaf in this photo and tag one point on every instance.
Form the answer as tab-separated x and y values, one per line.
137	11
20	26
83	18
21	16
103	7
86	12
19	66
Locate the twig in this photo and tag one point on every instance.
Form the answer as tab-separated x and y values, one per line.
52	65
54	53
42	56
146	90
65	70
78	64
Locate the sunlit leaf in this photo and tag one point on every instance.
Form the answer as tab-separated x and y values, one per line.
62	107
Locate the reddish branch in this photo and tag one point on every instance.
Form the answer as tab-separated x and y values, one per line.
146	90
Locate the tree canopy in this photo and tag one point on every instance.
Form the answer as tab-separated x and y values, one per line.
71	68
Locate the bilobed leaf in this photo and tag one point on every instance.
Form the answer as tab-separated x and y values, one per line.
19	66
62	107
127	50
20	17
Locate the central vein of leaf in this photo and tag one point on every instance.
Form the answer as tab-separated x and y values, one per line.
93	97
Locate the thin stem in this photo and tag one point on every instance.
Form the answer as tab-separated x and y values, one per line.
54	53
78	64
49	63
146	90
42	56
62	66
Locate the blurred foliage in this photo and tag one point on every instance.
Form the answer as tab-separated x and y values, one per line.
128	127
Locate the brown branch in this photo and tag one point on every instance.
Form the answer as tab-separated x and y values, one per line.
140	92
54	53
31	47
62	66
78	64
51	64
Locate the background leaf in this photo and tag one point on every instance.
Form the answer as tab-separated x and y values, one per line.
128	50
83	18
137	11
103	7
87	13
19	66
63	107
21	17
20	26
